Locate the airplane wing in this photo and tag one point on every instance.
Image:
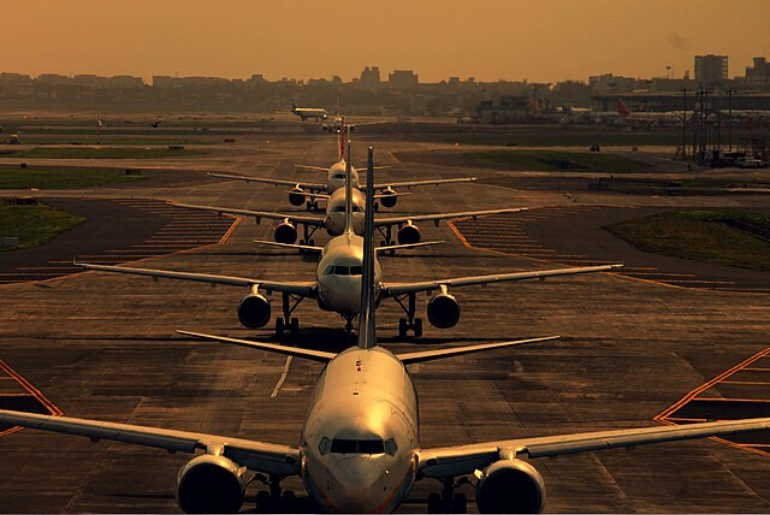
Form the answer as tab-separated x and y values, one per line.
259	456
404	246
304	289
434	354
297	352
412	184
437	217
300	219
394	289
294	246
278	182
312	168
464	459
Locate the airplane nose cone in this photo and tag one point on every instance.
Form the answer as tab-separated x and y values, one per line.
356	485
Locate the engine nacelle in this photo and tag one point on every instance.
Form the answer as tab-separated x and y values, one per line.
297	197
388	198
443	311
285	232
211	484
409	233
510	486
254	311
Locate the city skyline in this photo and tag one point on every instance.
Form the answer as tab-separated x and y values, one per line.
489	40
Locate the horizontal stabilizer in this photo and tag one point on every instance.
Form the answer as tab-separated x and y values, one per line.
405	246
313	355
295	246
430	355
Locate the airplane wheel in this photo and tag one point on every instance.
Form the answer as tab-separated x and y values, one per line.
315	206
294	326
402	327
383	243
288	502
311	243
309	206
264	502
280	326
376	207
302	242
417	327
434	503
459	503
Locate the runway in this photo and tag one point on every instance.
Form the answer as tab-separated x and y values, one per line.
103	346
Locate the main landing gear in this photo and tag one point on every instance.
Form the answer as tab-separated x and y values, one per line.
410	323
308	233
448	501
287	322
312	205
274	500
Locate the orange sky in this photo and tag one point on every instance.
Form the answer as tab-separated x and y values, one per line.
540	40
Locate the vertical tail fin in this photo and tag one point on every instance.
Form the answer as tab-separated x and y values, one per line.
366	334
348	196
341	141
622	109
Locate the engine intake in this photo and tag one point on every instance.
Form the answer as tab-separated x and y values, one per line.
388	197
211	484
510	486
254	311
297	197
443	311
285	232
409	233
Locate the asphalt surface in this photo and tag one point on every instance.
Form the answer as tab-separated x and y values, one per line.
103	346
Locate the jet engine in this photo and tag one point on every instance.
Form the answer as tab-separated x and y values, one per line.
443	311
510	486
297	197
409	233
388	197
254	311
285	232
211	484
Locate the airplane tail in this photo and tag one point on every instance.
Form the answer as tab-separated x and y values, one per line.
366	334
341	141
348	196
622	109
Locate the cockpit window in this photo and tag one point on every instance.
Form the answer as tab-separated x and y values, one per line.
324	445
390	446
339	176
343	270
344	446
339	209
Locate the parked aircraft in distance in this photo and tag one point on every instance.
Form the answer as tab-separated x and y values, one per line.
359	450
308	113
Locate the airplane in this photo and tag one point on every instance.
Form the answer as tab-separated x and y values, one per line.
337	126
337	283
308	113
642	116
310	192
359	449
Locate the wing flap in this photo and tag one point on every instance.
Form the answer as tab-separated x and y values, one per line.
259	456
391	290
300	219
305	289
444	216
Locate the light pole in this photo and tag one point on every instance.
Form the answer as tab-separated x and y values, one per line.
684	123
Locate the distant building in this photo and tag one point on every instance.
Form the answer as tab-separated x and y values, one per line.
608	83
370	77
403	79
710	69
53	79
124	82
510	109
759	73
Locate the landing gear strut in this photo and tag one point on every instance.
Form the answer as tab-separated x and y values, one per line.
312	205
308	233
287	322
448	501
387	234
410	323
273	500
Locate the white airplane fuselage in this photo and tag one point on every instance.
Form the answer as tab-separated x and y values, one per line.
364	403
339	275
335	212
336	177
